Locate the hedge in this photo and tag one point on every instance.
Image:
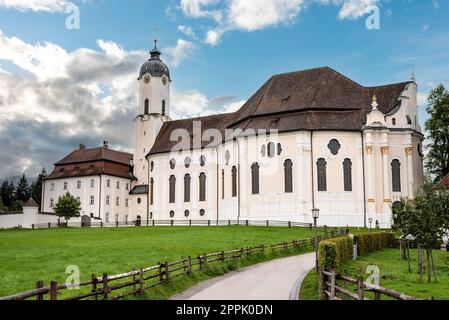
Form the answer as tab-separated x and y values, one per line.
333	253
371	242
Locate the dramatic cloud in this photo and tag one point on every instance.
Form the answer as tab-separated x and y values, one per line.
60	99
253	15
51	6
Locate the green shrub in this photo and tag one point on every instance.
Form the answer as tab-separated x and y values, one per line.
333	253
372	242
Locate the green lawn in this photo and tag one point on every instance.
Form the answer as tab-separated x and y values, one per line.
28	256
394	275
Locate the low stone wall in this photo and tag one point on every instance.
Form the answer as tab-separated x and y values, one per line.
26	219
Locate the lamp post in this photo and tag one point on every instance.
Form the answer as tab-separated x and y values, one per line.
370	220
315	215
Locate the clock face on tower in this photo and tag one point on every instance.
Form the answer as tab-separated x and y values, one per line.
146	79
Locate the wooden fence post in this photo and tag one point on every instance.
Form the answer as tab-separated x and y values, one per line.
377	295
105	287
141	281
161	274
101	224
200	262
222	256
229	223
189	266
94	285
167	272
321	285
32	226
289	224
247	223
153	223
268	223
134	281
190	223
172	223
40	284
49	225
53	290
332	288
116	224
208	223
360	289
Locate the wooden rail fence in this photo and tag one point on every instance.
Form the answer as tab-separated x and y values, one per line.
174	223
114	287
334	286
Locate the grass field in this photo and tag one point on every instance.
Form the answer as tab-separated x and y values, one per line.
394	275
29	256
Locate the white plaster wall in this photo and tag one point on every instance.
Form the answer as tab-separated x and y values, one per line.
10	221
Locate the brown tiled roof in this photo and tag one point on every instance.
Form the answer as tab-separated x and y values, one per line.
93	162
31	203
96	154
315	99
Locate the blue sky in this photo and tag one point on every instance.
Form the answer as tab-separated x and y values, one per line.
210	74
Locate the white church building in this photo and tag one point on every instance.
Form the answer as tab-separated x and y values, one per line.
307	139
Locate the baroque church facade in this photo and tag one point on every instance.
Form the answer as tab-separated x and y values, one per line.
307	139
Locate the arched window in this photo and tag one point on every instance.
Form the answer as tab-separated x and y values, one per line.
163	107
202	186
147	106
280	149
347	174
255	178
172	191
151	191
271	150
396	175
234	181
172	164
187	181
288	176
321	174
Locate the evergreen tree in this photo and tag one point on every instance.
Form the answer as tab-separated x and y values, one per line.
7	193
437	127
36	187
23	190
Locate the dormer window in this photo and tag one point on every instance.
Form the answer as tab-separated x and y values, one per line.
77	169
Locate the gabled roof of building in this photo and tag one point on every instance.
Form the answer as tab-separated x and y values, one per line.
315	99
96	154
31	203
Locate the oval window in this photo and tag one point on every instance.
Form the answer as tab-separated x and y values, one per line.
172	164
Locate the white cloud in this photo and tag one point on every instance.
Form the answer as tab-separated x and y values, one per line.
51	6
64	98
422	99
253	15
188	31
183	50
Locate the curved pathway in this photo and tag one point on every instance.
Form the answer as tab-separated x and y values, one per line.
273	280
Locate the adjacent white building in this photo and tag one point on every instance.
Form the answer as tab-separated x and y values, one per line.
307	139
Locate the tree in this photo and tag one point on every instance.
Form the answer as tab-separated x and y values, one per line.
7	193
426	219
36	187
437	127
23	190
67	207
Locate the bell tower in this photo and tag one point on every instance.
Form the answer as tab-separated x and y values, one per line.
154	109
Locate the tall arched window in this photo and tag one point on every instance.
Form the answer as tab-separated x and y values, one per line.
288	176
321	174
163	107
151	191
234	181
172	191
396	175
347	174
255	178
147	106
187	181
202	186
